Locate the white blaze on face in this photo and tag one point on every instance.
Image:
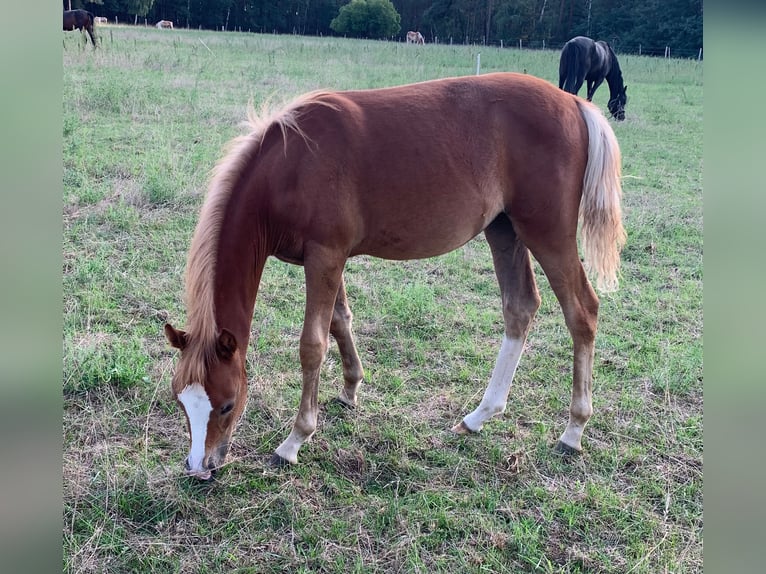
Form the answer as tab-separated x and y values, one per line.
197	406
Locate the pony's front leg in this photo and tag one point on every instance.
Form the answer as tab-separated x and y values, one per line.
323	278
306	421
340	329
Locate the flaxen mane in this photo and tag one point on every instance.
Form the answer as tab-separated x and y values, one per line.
201	327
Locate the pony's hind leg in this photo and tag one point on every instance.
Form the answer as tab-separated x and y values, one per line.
323	269
579	304
520	299
340	329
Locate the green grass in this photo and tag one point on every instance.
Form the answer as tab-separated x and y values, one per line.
384	488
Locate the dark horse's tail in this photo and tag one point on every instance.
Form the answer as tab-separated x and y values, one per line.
89	27
571	72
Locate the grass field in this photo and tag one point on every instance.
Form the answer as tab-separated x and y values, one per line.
384	488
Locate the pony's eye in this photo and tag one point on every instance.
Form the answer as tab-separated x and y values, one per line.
226	409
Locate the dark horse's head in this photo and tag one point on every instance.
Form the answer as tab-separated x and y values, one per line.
616	103
618	96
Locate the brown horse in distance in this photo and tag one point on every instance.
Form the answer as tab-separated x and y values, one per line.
79	20
338	174
415	38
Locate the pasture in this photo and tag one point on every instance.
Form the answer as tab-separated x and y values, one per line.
384	488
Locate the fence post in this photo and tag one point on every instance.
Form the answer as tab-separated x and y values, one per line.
478	63
519	43
699	56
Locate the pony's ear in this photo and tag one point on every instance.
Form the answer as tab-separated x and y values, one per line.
226	344
176	337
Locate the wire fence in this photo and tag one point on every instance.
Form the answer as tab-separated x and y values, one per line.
620	48
636	49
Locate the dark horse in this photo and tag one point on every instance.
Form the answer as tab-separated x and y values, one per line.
331	176
583	59
79	20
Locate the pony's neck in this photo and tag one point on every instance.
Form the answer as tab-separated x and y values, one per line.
238	274
229	248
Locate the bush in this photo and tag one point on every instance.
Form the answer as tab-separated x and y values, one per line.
367	19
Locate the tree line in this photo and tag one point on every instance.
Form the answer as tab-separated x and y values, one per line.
629	25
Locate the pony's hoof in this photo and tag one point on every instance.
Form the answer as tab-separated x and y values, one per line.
344	403
278	462
565	449
461	428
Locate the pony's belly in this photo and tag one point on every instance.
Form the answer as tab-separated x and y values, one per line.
421	241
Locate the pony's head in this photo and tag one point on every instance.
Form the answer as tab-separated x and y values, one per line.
211	387
616	105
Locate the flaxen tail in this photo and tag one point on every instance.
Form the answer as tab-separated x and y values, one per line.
601	231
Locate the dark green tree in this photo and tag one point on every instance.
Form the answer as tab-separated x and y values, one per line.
138	7
626	24
125	8
412	12
367	19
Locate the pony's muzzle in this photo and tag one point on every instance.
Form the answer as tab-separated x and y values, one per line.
200	474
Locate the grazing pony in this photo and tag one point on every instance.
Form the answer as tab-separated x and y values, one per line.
165	24
79	20
583	59
100	20
415	38
330	176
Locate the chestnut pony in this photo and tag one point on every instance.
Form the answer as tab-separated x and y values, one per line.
330	176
